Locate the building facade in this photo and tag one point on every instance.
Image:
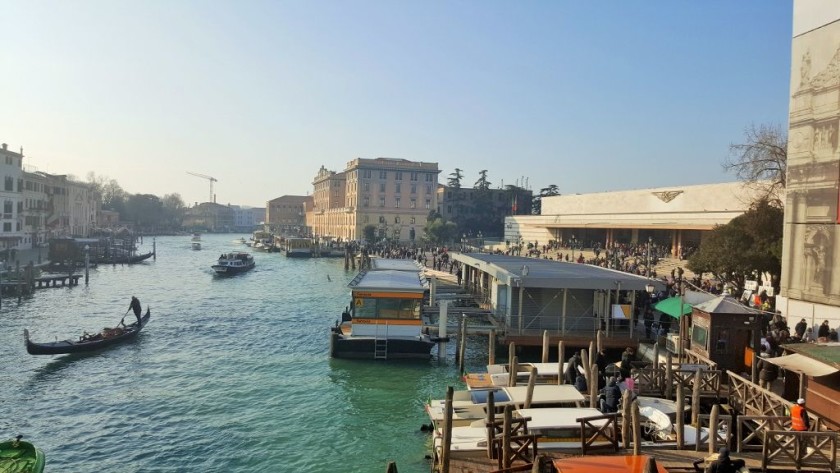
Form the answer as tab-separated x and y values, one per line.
245	219
463	205
286	215
209	217
674	217
36	207
394	196
11	195
810	287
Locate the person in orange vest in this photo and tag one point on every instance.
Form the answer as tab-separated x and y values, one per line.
799	420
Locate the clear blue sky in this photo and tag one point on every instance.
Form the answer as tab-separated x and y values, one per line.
588	95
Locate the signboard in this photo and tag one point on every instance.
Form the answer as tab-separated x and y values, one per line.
621	311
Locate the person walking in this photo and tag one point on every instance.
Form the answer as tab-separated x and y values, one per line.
799	420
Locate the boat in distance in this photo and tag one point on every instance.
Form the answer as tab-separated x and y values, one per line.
234	263
87	343
17	455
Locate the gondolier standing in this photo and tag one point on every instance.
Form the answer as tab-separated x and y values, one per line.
135	306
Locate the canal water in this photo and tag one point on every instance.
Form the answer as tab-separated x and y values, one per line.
230	374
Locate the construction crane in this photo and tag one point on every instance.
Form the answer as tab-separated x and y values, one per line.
209	178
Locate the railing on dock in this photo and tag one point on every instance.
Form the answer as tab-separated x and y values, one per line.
722	432
810	450
764	419
655	381
591	433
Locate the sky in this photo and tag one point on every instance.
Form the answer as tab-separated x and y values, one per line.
590	96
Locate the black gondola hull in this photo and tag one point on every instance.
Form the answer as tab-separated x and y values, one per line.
69	346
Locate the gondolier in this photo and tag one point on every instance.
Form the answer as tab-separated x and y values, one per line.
135	306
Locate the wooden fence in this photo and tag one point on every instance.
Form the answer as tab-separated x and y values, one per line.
814	451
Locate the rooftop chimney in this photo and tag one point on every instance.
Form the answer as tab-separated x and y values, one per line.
5	146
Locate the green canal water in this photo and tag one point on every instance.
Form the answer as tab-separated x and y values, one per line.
231	374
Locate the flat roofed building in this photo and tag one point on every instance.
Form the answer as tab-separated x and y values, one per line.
674	217
393	195
287	214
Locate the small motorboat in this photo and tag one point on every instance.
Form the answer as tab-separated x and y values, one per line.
196	245
87	342
17	455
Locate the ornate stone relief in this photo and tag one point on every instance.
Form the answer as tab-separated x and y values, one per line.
667	196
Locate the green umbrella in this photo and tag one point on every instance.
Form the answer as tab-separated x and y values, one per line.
671	306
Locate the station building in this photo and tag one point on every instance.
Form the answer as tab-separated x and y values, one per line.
675	217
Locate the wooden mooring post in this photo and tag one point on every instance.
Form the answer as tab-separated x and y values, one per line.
680	417
713	422
560	357
593	386
447	431
545	346
491	348
512	369
462	343
637	429
529	393
669	376
695	400
625	418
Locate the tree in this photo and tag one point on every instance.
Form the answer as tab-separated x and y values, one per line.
482	183
173	209
455	179
536	202
762	160
369	233
145	210
750	243
440	231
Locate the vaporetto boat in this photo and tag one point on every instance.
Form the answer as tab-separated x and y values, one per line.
385	315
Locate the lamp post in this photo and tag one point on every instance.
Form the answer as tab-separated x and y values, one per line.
573	248
480	242
650	240
523	272
463	243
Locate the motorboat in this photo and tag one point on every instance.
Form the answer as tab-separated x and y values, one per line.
234	263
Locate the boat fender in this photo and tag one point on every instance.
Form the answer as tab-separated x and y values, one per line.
426	428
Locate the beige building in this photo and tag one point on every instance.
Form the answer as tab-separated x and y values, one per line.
810	285
11	198
210	217
287	214
674	217
393	195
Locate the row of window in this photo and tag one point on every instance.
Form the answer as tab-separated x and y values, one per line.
398	175
412	204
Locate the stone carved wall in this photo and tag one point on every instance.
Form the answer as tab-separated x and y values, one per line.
811	210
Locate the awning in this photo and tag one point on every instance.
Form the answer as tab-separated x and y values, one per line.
802	364
671	306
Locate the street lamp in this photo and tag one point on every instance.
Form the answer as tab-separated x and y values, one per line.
573	248
650	240
523	272
463	243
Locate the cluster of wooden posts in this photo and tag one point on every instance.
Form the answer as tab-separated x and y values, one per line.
755	416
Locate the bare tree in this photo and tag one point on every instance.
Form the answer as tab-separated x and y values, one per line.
761	161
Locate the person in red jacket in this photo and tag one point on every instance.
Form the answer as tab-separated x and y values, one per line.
799	420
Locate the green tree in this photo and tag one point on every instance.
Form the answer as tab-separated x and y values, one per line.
455	179
369	233
145	210
749	243
536	202
762	160
173	209
440	231
482	183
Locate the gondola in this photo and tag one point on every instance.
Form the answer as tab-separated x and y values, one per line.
19	455
87	342
126	259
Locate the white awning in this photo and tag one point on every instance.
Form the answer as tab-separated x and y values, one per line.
802	364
